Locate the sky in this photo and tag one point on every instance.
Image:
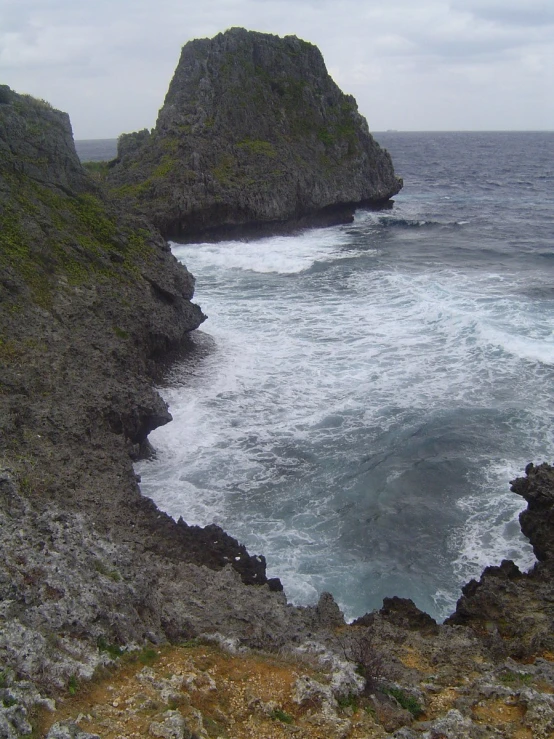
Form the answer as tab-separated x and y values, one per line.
412	65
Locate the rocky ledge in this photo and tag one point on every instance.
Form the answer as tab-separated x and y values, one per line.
253	134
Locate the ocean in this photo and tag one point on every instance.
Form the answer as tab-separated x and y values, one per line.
361	395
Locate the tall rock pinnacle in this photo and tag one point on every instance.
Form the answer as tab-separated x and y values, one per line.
253	132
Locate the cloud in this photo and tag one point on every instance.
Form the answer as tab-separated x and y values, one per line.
109	63
528	13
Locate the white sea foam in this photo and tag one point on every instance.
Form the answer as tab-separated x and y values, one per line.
277	254
345	404
490	532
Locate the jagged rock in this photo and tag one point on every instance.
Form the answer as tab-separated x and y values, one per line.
312	692
172	727
328	614
69	730
331	725
537	521
14	720
456	726
402	612
253	132
539	716
514	611
389	713
92	303
404	733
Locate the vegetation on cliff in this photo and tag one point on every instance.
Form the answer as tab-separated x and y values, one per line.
253	131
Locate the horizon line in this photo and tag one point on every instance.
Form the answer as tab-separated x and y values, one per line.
402	130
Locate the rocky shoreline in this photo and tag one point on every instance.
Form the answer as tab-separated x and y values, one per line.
92	303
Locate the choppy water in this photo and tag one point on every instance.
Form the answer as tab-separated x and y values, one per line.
364	394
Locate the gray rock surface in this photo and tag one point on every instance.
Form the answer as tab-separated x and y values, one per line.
253	132
92	301
172	727
69	730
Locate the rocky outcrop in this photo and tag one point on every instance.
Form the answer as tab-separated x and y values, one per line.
537	521
515	610
253	133
91	302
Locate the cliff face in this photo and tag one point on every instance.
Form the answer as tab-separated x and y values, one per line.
90	302
253	131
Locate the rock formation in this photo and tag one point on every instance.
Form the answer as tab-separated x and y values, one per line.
91	305
253	132
517	609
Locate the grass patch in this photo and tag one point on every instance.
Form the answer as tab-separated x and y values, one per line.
256	146
282	716
72	685
166	166
97	170
515	678
326	136
113	650
225	169
120	333
9	352
47	234
102	569
147	656
191	643
408	702
348	701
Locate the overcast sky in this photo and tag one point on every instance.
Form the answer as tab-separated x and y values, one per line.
411	64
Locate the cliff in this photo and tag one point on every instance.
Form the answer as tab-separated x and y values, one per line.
178	625
253	132
92	303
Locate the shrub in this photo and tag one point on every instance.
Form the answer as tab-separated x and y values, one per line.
112	649
358	647
279	715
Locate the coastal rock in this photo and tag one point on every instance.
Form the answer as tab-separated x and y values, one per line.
537	521
456	726
253	133
404	613
515	610
92	303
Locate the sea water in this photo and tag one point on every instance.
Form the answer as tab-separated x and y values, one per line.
361	395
